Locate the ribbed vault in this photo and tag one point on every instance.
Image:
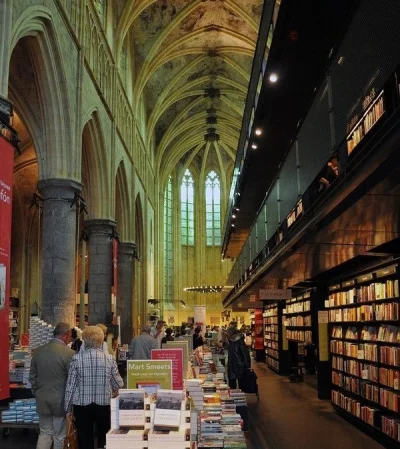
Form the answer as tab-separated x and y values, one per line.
193	59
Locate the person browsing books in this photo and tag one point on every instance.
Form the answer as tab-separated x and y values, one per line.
168	336
93	379
141	346
157	332
48	377
238	357
197	338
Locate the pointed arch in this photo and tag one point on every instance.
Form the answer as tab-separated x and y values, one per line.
58	133
122	203
95	176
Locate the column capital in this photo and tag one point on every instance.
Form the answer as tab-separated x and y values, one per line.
100	226
58	188
127	249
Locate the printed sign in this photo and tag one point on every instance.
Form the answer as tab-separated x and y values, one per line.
140	371
6	182
183	344
274	293
176	356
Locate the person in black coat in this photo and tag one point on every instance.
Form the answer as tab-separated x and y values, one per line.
238	357
197	338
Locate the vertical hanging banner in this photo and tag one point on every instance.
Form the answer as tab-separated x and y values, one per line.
114	290
200	317
258	329
6	182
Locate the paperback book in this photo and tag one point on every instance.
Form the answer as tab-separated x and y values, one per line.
167	414
131	408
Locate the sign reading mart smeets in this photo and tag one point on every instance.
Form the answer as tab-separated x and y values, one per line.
274	294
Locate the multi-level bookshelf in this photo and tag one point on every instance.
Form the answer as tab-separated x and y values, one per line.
364	347
298	319
13	320
275	342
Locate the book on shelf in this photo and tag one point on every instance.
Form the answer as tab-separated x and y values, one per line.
167	413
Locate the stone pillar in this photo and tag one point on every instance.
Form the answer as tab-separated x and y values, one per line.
58	250
100	232
126	252
6	22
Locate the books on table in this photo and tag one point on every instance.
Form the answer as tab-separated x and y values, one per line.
131	408
167	413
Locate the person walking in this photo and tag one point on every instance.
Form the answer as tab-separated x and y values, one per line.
93	379
48	376
168	336
197	338
238	357
141	346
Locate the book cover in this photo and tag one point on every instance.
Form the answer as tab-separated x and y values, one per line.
131	408
167	414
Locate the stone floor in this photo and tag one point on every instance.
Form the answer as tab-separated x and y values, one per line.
288	416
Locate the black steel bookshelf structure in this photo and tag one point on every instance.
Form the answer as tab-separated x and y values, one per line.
275	341
364	333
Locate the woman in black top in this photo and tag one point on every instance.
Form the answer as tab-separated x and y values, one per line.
168	336
197	338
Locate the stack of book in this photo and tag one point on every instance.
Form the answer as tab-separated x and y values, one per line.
40	332
239	397
195	392
21	411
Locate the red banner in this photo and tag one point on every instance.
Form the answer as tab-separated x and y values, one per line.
115	265
6	182
176	356
258	329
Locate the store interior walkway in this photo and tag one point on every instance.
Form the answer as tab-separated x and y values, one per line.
288	416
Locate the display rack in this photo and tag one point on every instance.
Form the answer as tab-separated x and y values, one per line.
13	320
365	351
275	341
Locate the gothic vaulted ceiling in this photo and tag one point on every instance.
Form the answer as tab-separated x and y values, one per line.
193	61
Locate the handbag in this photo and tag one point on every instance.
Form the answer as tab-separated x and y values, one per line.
71	438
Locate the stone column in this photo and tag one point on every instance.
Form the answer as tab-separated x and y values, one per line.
58	250
6	22
100	232
126	252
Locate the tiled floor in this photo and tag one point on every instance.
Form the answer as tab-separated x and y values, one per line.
288	416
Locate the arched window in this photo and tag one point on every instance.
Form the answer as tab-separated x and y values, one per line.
213	209
168	266
187	209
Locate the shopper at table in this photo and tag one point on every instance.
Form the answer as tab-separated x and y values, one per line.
141	346
238	357
197	338
168	336
48	377
92	380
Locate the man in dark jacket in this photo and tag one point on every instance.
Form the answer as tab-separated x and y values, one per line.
238	357
48	376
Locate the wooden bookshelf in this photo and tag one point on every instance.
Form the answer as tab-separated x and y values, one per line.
275	342
364	345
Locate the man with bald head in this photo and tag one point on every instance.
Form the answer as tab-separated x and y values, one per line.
141	346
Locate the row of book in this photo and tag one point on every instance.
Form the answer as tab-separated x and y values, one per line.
302	306
272	363
376	291
272	344
389	355
272	353
349	333
353	406
391	427
270	320
361	313
389	377
271	336
300	321
389	399
271	312
298	335
299	298
379	290
383	333
363	351
271	328
363	370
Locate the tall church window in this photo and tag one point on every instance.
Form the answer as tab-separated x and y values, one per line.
168	275
213	209
187	209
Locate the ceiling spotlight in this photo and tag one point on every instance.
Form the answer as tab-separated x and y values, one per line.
237	209
254	146
258	132
232	225
233	216
273	77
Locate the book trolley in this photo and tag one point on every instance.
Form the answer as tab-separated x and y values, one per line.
364	344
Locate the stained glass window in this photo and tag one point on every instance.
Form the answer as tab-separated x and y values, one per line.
187	209
168	232
213	209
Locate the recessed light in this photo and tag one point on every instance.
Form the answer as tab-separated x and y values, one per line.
254	146
258	132
232	225
233	216
273	77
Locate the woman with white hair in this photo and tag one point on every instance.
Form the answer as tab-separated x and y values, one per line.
93	379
